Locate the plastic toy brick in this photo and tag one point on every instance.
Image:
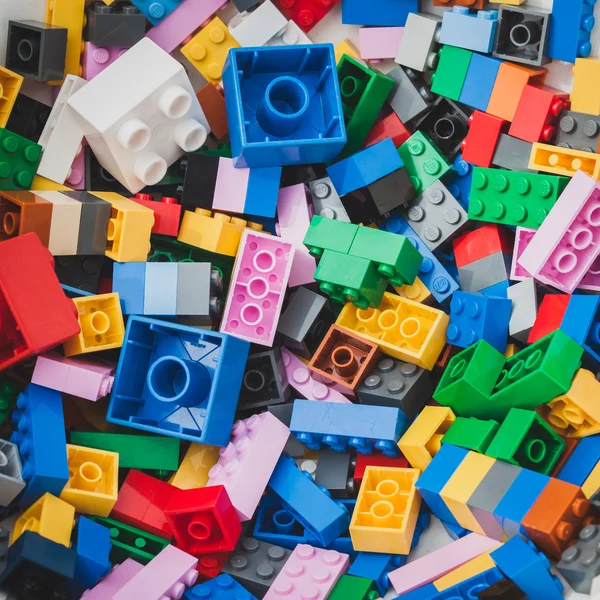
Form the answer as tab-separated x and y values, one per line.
323	517
477	574
256	28
353	588
470	433
523	236
326	202
10	473
383	13
276	525
346	47
155	12
363	92
578	564
167	213
570	447
479	81
333	472
49	516
224	587
579	323
28	117
563	161
115	26
419	43
416	292
512	153
410	97
571	25
469	31
378	43
195	466
592	483
389	127
375	566
582	461
451	72
481	141
19	158
65	223
549	316
474	4
23	212
11	84
523	317
578	131
509	86
92	545
213	104
481	243
305	13
291	35
114	581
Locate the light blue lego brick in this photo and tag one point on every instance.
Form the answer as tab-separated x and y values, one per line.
498	290
160	289
39	433
154	10
129	281
311	505
463	29
365	167
262	192
581	462
337	425
431	272
582	323
571	24
73	292
378	13
480	81
223	587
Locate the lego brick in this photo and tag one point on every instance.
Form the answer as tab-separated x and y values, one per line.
563	161
93	226
97	58
155	12
11	84
79	272
198	289
474	32
375	566
378	43
472	434
160	289
256	28
592	483
195	466
579	323
410	96
223	586
23	212
389	126
417	49
581	462
550	316
571	25
117	25
578	564
512	153
213	104
481	243
578	131
570	446
451	71
524	311
167	213
11	473
353	588
114	581
484	132
92	545
20	158
129	281
290	35
305	13
382	13
479	82
523	236
65	223
480	275
332	473
476	574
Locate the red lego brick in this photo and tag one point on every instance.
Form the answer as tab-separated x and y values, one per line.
167	213
482	242
210	565
305	13
203	520
480	144
35	314
376	460
537	113
141	503
388	127
549	317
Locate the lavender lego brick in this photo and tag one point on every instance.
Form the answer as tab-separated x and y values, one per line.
96	58
378	43
114	581
230	187
523	236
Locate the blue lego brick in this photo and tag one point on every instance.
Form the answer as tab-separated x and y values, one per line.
274	524
223	587
426	592
129	281
571	24
431	272
343	542
262	192
311	505
474	32
528	569
519	498
582	323
160	289
498	290
475	317
480	81
581	462
471	587
338	426
365	167
154	10
379	13
459	182
283	105
177	380
446	259
435	477
454	530
39	433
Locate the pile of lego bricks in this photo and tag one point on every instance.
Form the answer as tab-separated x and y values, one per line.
352	351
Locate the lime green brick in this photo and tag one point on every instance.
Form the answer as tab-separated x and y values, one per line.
470	433
449	77
349	587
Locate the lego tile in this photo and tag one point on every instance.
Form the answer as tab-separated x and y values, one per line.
480	243
485	272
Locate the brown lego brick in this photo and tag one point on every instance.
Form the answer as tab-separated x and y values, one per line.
344	358
475	4
213	105
570	445
24	212
556	517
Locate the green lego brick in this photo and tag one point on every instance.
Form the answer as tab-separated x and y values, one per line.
513	198
526	440
349	587
9	392
468	380
423	161
396	257
135	451
19	160
131	542
350	278
222	150
329	234
364	92
449	77
536	374
470	433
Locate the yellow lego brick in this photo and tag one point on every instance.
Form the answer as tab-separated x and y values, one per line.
476	566
511	349
208	49
386	511
68	14
93	483
51	517
129	228
592	483
417	292
585	93
402	328
346	47
423	438
193	470
563	161
42	184
10	84
461	486
216	233
101	322
509	2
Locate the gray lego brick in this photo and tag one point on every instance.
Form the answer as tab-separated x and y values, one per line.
193	289
398	384
512	154
524	309
4	539
120	25
578	131
255	564
418	46
484	272
580	563
333	472
435	215
93	227
326	201
410	97
493	486
11	479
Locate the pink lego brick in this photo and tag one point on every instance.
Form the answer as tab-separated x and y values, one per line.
165	577
84	378
114	581
568	241
436	564
182	22
378	43
258	283
246	464
591	280
304	382
523	236
76	178
308	574
231	187
96	58
303	268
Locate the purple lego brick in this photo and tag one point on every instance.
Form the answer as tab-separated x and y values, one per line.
96	58
377	43
523	236
231	187
114	581
568	241
76	178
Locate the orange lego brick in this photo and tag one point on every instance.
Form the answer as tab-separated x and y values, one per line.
213	104
509	86
556	517
23	212
570	445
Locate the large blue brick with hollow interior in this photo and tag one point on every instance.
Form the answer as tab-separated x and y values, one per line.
177	380
283	105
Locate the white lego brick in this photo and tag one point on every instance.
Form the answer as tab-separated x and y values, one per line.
64	228
62	135
258	27
524	309
291	35
418	43
140	115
